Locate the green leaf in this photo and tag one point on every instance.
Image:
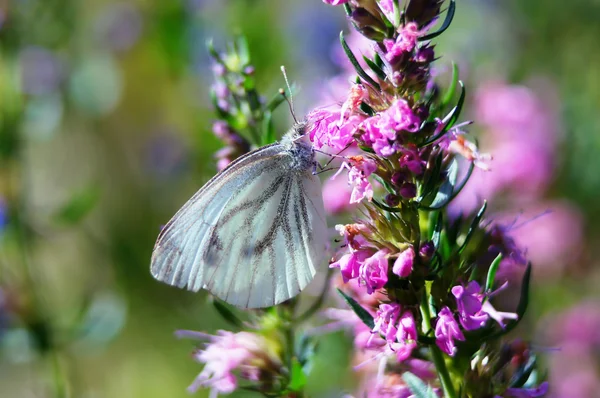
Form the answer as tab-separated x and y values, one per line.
450	118
473	227
386	208
227	314
274	102
79	206
452	89
523	303
437	231
297	377
268	136
445	25
347	9
242	49
491	276
367	109
375	68
447	189
362	314
359	70
417	386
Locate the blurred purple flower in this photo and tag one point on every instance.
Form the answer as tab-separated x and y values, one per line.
3	214
447	331
166	155
225	353
336	196
41	71
552	235
119	26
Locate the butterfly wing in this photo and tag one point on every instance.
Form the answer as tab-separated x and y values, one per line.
254	235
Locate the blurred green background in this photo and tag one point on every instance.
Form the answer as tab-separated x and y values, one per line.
105	131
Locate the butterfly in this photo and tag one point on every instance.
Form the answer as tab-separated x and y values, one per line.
255	234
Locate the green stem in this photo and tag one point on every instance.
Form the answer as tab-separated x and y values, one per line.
61	387
436	354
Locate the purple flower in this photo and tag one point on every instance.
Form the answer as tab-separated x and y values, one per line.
404	263
446	331
373	271
398	329
386	321
404	43
496	315
350	263
539	391
468	300
406	336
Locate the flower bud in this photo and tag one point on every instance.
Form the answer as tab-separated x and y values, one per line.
368	24
408	190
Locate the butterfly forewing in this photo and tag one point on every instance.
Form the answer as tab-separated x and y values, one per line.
253	236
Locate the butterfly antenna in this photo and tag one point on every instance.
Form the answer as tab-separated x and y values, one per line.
289	100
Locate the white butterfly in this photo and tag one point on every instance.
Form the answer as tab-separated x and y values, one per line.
255	234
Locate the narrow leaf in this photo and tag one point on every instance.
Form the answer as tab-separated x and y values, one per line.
445	25
297	376
375	68
446	191
473	227
450	118
362	314
491	276
416	385
437	232
78	206
359	70
523	303
227	314
452	89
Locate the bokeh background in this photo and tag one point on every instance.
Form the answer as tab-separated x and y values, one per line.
105	130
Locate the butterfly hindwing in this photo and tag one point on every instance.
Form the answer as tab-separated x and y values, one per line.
253	236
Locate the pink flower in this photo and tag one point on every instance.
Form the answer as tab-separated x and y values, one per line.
398	329
398	117
404	43
225	353
468	300
373	271
447	331
386	321
353	234
327	127
351	263
335	2
404	263
406	336
383	145
359	168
